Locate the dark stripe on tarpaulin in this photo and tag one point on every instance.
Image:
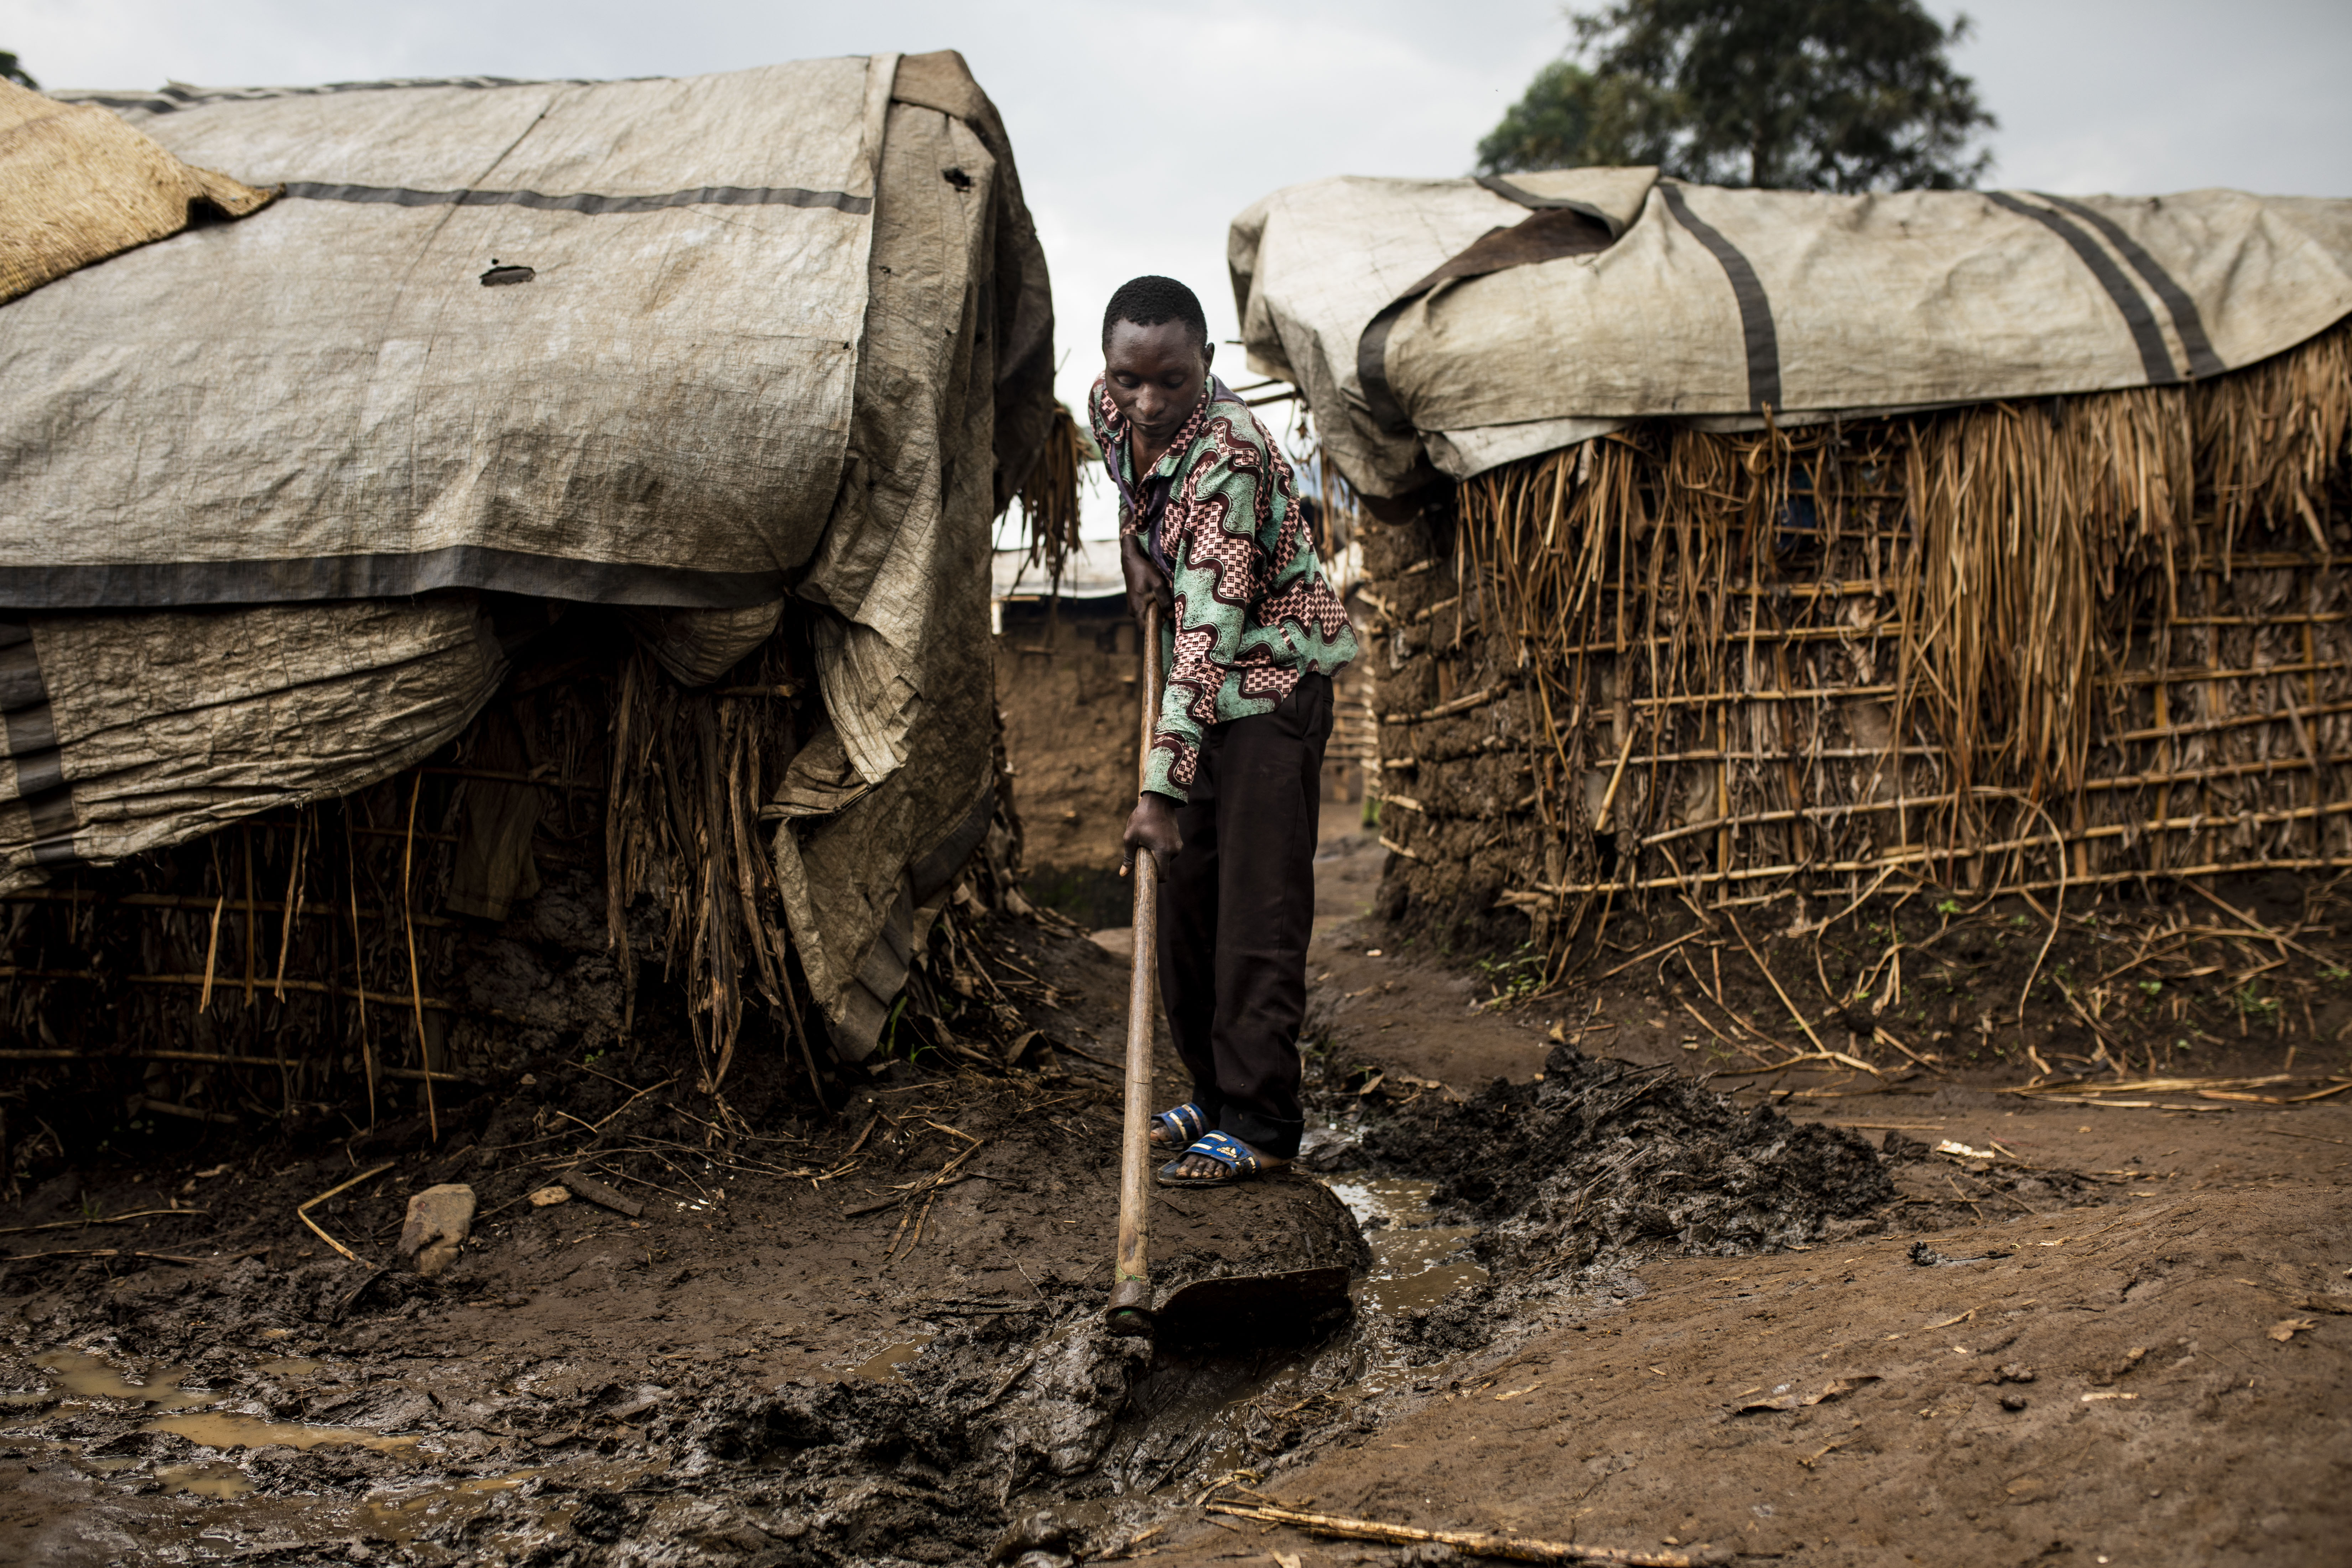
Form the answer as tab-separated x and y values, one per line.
172	99
179	585
584	201
1534	203
2186	321
1556	229
1756	328
31	731
2156	360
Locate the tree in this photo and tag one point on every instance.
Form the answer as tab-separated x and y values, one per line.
1571	116
1823	95
11	69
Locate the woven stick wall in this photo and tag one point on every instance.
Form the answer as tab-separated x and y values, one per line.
306	957
365	955
2010	647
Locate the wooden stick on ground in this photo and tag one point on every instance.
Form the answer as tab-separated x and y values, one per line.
302	1212
1474	1542
1662	947
118	1252
2281	938
597	1193
1774	982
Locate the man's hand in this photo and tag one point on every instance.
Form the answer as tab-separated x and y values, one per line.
1144	582
1151	826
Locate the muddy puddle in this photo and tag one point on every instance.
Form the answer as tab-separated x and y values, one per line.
1199	1414
202	1472
1418	1260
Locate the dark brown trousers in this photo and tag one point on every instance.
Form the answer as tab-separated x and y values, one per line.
1236	912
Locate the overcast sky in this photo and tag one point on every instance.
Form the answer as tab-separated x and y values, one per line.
1142	130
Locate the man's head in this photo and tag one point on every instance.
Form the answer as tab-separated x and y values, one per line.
1156	353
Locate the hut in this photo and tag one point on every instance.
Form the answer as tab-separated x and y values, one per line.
480	553
1739	545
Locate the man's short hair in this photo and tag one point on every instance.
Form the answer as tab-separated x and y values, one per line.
1149	300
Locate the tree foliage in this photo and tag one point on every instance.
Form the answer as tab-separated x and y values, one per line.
1823	95
13	69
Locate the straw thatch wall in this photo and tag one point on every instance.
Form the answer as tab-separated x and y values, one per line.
2042	647
583	870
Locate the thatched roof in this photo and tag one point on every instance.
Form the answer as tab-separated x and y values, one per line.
77	185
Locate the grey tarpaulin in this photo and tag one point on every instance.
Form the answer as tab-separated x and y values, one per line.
133	731
329	403
785	341
1715	305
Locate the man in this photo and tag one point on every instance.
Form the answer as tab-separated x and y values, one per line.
1212	530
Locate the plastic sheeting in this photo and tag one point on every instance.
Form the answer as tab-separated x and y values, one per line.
784	343
341	398
1718	305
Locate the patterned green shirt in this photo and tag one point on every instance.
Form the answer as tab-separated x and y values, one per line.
1253	612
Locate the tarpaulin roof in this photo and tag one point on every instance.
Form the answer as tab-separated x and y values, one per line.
715	349
342	400
1458	324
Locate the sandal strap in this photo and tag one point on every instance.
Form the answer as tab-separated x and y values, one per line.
1228	1152
1185	1122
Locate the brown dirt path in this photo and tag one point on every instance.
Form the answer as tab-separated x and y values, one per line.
2159	1418
2137	1348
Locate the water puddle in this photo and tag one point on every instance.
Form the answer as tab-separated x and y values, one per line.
215	1479
289	1366
190	1414
1416	1260
400	1519
225	1430
80	1372
891	1360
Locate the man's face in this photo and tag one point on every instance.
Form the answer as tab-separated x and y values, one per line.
1156	375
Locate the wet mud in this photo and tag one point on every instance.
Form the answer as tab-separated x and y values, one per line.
874	1337
1601	1163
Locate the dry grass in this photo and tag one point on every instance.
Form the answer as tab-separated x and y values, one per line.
77	185
2015	645
1049	497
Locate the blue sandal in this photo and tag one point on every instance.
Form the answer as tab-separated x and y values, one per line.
1186	1123
1239	1161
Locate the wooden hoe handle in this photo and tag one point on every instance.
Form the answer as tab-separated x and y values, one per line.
1130	1291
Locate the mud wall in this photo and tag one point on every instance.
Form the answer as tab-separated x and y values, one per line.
1066	682
1453	766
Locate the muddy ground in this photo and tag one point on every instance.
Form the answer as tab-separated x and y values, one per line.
1600	1300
